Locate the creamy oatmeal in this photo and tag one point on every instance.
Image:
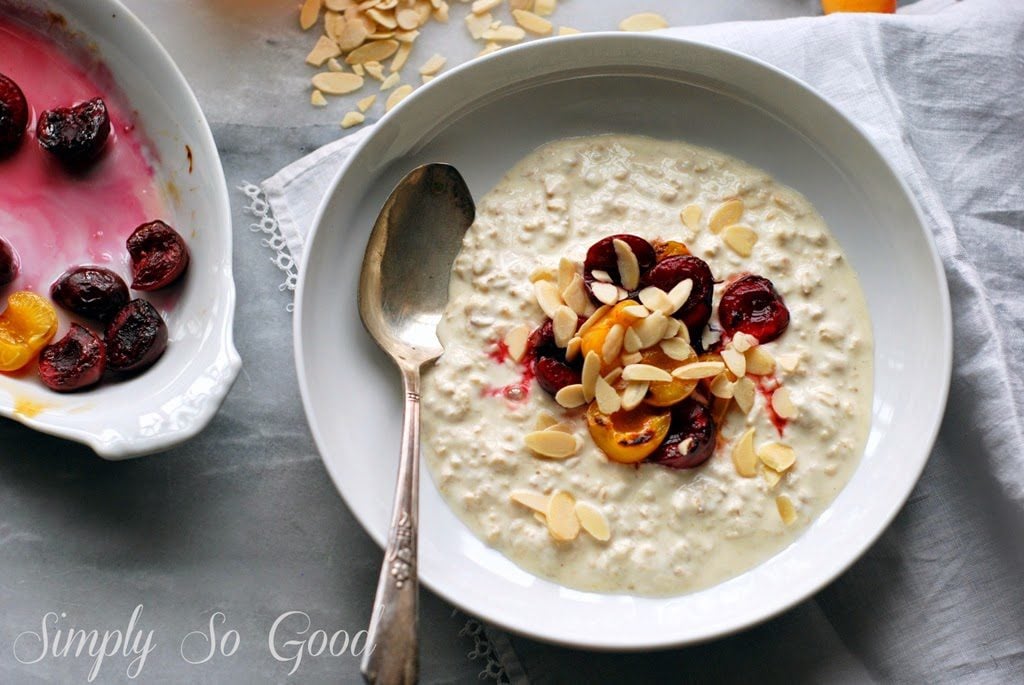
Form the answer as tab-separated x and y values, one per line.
775	414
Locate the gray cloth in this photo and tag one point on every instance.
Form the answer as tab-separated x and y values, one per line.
939	597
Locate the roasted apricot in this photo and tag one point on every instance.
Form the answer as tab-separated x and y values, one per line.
594	337
663	249
26	326
628	437
671	392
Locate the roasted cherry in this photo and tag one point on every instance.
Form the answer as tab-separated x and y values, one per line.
10	265
601	257
90	291
159	256
673	270
74	362
553	375
691	437
751	305
13	114
74	135
136	337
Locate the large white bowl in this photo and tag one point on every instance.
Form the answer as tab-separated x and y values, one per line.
176	398
485	116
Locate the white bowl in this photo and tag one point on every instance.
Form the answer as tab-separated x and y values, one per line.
177	397
485	116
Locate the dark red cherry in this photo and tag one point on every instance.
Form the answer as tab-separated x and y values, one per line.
752	305
541	342
74	362
601	257
90	291
159	256
10	264
553	375
691	437
136	337
74	135
671	271
13	114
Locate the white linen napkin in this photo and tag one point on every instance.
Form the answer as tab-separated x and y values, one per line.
938	88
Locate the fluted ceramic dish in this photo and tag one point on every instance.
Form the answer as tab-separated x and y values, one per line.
177	397
484	117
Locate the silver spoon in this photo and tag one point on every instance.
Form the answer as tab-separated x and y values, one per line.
403	289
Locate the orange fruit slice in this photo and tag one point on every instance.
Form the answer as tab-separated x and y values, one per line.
884	6
26	326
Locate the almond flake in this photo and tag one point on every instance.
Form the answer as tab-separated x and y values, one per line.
406	36
337	83
489	48
483	6
563	322
735	361
613	376
631	341
601	276
771	476
566	31
759	362
743	392
391	81
407	19
544	421
605	292
324	50
591	372
374	69
532	22
608	400
561	515
548	297
377	51
515	342
651	330
656	300
672	330
629	267
334	65
645	21
776	456
593	521
741	342
677	349
338	5
358	69
317	99
566	270
690	216
612	346
309	14
530	500
783	405
571	396
544	8
789	362
725	214
632	358
477	24
352	36
697	370
722	387
505	34
740	239
352	119
382	19
636	311
594	318
381	35
440	13
433	65
743	457
540	518
366	103
575	295
646	372
401	57
786	509
572	350
562	427
520	4
552	444
679	294
634	394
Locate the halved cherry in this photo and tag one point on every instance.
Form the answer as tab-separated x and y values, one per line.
553	374
673	270
74	362
13	114
159	256
691	438
75	135
666	394
10	264
602	257
26	326
752	305
630	436
90	291
136	337
663	249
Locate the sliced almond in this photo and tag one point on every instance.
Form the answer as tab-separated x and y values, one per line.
735	362
572	350
571	396
382	18
339	5
337	82
651	330
789	361
544	8
743	457
334	65
725	214
401	57
374	69
520	4
605	292
601	276
645	21
744	392
697	370
406	36
561	515
637	311
656	299
722	387
489	48
612	346
629	267
532	22
358	69
759	362
631	341
309	14
608	401
566	270
531	500
352	119
377	51
770	476
433	65
632	357
440	13
366	103
317	99
324	50
477	24
673	331
741	342
690	216
561	426
740	239
783	405
505	34
397	95
544	421
786	509
593	521
566	31
634	394
679	294
776	456
594	318
612	377
407	19
575	295
552	444
483	6
352	36
646	372
548	297
677	349
515	342
540	518
563	322
591	372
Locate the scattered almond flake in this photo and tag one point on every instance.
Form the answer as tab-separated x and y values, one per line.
352	36
571	396
566	270
427	78
735	362
324	50
563	322
636	311
622	293
317	99
679	294
741	342
677	349
594	318
358	69
401	57
690	216
786	509
612	346
544	421
566	31
334	65
572	350
532	22
646	372
338	5
789	361
382	18
489	48
776	456
593	521
561	515
381	35
743	392
407	19
544	8
337	82
548	297
631	341
540	518
531	500
377	51
552	444
520	4
406	36
722	387
433	65
634	394
771	476
743	457
651	330
366	103
374	69
613	376
656	300
783	405
575	295
424	9
697	370
515	340
629	267
672	330
441	13
740	239
352	119
309	14
397	95
759	362
608	400
645	21
591	372
542	273
601	276
477	24
484	6
725	214
391	81
505	34
605	292
631	358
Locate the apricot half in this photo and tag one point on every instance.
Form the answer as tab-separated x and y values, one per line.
26	326
628	437
671	392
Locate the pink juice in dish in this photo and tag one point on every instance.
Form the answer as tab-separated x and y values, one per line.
55	218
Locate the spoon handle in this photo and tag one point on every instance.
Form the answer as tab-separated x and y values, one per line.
392	655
